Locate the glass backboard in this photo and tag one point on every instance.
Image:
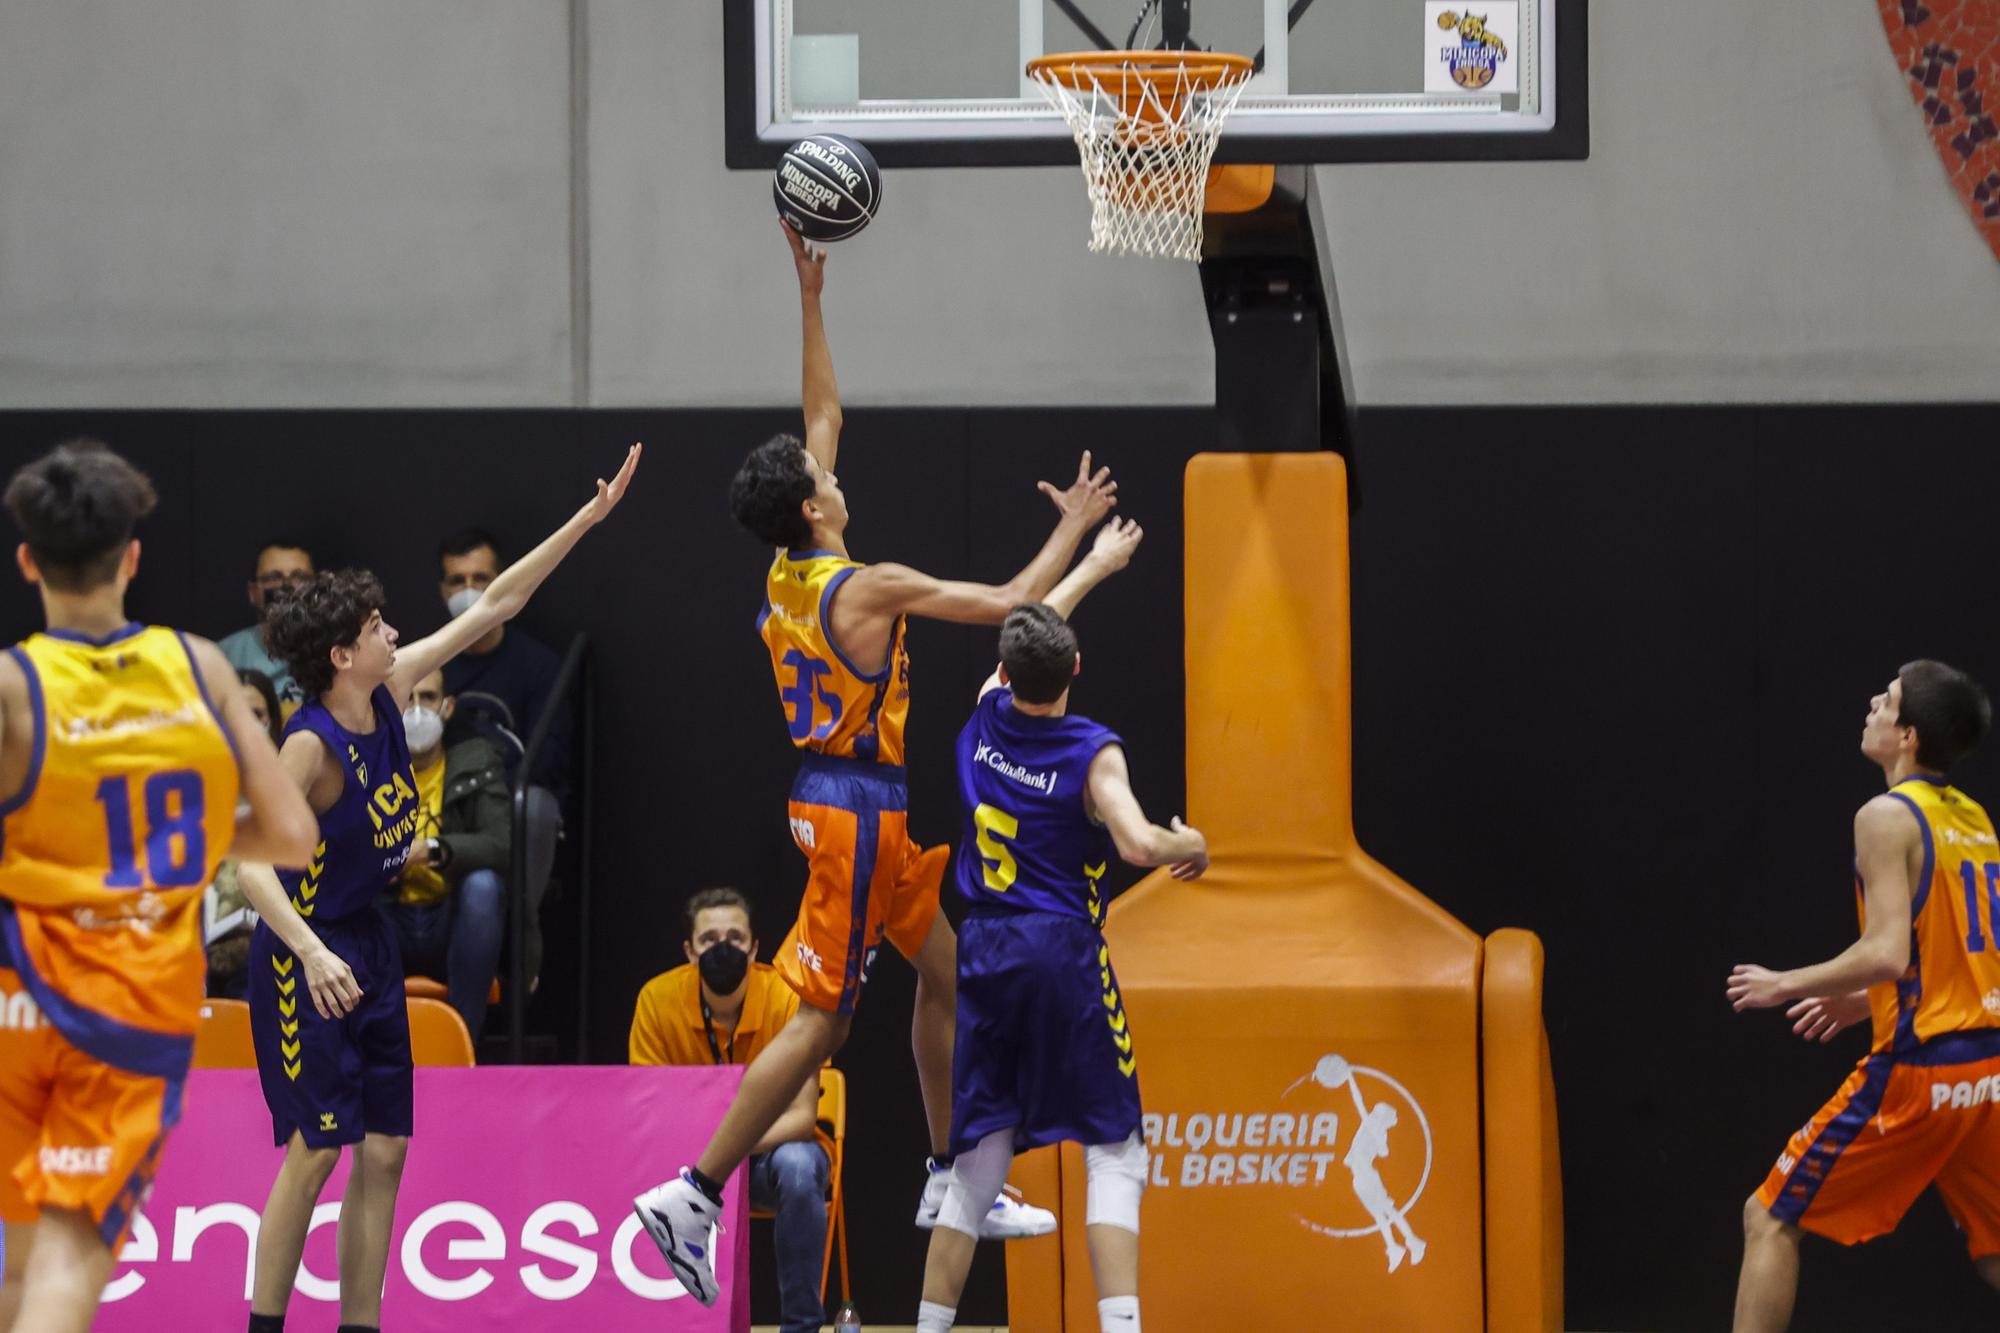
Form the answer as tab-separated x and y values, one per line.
941	82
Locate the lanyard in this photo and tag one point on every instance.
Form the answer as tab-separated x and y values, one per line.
708	1026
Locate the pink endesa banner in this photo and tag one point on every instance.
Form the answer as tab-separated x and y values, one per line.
515	1210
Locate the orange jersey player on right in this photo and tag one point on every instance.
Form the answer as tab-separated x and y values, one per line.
834	628
1924	1105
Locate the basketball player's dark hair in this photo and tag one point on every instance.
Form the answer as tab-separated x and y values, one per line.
303	626
708	899
282	542
1947	707
1038	648
768	489
464	542
77	507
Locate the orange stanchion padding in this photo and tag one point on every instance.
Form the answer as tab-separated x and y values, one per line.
1034	1267
1306	1024
1307	1038
1306	1027
1524	1220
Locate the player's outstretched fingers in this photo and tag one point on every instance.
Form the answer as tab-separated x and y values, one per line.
610	493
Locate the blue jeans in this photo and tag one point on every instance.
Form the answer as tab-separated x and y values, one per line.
461	931
790	1180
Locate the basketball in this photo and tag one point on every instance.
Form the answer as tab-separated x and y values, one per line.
827	187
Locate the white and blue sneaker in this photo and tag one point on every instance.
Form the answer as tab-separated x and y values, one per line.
683	1223
1008	1219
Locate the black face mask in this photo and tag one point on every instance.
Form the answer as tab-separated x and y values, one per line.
723	966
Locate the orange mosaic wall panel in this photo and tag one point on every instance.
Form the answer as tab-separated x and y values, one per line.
1950	51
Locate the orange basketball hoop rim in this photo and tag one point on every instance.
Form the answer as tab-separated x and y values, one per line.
1146	125
1148	85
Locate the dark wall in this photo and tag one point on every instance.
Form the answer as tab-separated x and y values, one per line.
1629	650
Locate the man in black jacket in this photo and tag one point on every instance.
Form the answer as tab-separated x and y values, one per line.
451	906
503	682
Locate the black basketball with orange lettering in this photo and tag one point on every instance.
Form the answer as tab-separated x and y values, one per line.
827	187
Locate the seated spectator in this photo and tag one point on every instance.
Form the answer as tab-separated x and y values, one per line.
226	916
227	920
722	1007
261	693
451	906
280	565
502	683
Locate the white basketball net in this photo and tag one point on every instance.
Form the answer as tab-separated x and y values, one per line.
1146	143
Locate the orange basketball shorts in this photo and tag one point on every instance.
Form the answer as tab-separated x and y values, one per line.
75	1131
867	880
1898	1123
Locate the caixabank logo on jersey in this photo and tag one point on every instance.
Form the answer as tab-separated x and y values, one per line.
1470	49
1348	1146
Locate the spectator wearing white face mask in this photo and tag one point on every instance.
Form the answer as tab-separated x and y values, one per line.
509	666
450	907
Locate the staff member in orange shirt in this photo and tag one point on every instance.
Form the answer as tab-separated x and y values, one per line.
722	1007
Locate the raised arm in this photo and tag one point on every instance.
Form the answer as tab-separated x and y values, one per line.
817	391
1111	552
279	826
1885	842
876	595
1141	842
507	594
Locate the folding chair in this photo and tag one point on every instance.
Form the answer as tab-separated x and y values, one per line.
223	1039
437	1034
433	989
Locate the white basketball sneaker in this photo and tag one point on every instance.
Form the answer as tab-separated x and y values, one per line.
1008	1219
681	1221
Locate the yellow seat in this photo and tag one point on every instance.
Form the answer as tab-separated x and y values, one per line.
831	1131
437	1034
223	1039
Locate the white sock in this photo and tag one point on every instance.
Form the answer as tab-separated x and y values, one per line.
1118	1314
935	1318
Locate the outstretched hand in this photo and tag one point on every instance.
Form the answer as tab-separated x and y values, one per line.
1754	987
1089	498
809	259
1116	541
609	494
1823	1017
